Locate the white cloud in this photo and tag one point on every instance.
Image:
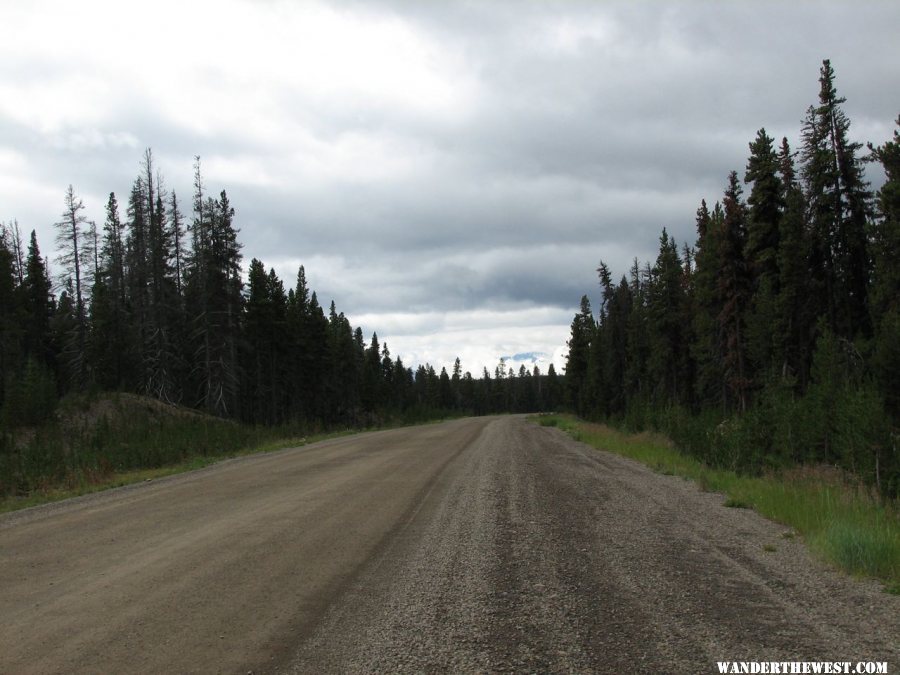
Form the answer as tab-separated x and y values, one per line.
450	173
477	348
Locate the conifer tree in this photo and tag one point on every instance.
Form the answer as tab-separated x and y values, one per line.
38	306
402	384
307	357
160	347
370	380
10	312
320	362
598	381
71	243
176	236
111	341
197	346
137	279
886	228
838	201
265	387
63	337
734	289
637	388
445	392
706	348
553	389
666	309
467	394
280	344
257	324
346	356
213	297
224	300
387	378
616	358
886	286
456	383
582	333
763	238
16	246
794	315
764	208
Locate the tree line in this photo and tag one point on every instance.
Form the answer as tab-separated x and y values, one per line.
775	338
154	301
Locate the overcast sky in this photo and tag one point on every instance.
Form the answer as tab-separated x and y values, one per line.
450	174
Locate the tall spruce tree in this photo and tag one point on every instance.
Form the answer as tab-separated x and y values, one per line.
265	389
637	387
223	265
258	321
346	358
838	201
370	381
706	347
213	298
319	363
763	237
160	347
112	347
734	290
667	360
137	278
10	312
886	283
582	333
306	356
794	313
38	306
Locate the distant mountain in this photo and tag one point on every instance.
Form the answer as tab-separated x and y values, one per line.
531	359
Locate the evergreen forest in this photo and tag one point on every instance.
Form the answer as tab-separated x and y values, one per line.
774	339
154	301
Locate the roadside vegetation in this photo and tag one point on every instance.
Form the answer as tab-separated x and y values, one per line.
149	346
160	304
843	521
97	442
774	340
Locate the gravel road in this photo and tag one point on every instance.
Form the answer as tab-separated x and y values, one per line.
478	545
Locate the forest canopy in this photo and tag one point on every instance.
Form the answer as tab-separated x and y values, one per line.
775	338
154	301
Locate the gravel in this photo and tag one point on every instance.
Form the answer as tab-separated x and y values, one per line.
534	553
479	545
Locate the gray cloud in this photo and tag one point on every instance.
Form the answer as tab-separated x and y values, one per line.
463	156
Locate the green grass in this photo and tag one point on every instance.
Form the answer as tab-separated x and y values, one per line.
79	483
82	483
840	520
107	441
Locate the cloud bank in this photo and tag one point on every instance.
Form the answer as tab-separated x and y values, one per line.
450	174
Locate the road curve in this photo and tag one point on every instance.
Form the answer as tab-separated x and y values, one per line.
478	545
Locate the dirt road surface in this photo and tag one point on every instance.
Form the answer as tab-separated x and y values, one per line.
478	545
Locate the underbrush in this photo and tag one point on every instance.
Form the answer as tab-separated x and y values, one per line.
95	443
842	520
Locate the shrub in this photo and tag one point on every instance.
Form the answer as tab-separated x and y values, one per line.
29	399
